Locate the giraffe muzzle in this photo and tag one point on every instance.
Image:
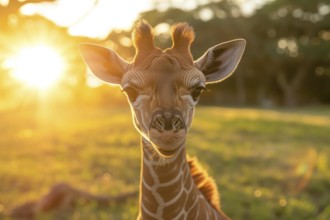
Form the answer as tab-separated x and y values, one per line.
164	121
167	132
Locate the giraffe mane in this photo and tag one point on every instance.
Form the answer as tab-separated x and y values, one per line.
204	183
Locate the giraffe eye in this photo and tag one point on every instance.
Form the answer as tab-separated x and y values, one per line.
196	92
131	93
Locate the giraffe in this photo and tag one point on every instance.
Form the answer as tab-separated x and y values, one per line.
163	88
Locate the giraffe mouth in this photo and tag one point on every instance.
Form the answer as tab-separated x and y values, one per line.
167	153
167	143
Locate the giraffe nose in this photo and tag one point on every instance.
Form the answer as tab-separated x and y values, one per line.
167	121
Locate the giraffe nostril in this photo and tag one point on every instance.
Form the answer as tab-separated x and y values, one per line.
158	123
177	123
162	123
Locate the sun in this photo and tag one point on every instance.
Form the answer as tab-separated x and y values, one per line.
37	66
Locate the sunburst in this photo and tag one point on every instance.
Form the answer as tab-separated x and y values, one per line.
38	66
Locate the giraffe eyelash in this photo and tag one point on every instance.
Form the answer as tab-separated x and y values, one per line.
196	92
131	92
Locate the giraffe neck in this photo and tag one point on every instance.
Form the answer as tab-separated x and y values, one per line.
168	190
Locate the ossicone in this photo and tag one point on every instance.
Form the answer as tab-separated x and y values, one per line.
182	36
143	39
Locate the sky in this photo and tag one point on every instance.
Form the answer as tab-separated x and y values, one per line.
85	18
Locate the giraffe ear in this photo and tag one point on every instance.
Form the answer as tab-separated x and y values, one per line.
221	60
104	63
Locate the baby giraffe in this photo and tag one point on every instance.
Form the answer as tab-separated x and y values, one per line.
163	88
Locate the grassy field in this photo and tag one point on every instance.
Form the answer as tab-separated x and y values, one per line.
268	164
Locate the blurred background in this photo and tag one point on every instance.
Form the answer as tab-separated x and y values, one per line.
272	117
287	59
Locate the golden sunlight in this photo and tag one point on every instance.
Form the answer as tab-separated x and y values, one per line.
92	18
37	66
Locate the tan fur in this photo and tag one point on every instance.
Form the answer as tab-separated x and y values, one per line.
182	35
204	183
143	40
143	36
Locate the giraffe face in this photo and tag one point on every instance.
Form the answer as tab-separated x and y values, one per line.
163	87
163	96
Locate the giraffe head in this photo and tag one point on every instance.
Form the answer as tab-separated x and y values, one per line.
163	86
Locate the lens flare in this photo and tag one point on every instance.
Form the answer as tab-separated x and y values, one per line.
37	66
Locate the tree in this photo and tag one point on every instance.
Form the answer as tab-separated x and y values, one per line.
293	37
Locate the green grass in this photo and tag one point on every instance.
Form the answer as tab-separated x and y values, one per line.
268	164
